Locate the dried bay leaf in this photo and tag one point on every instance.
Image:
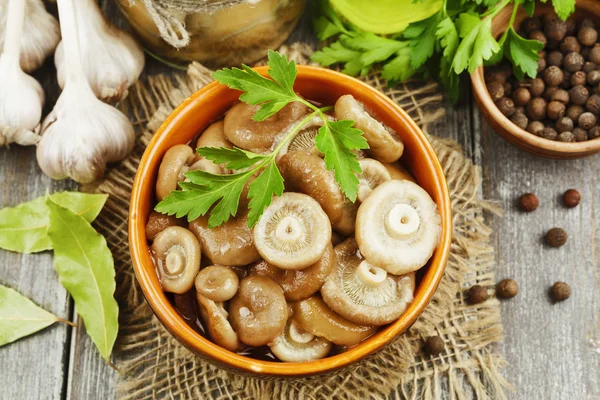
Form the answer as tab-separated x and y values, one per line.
85	268
23	228
20	316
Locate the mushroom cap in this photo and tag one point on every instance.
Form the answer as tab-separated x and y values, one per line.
158	222
346	224
218	327
398	227
258	312
384	143
307	173
301	284
214	136
248	134
217	283
314	316
176	253
397	171
172	167
363	293
227	244
373	174
204	164
296	345
293	232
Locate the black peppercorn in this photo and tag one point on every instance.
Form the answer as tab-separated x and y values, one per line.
574	112
573	62
521	96
581	135
571	26
549	133
594	133
578	78
561	95
566	82
555	58
566	137
579	95
593	104
570	45
585	52
555	29
531	24
549	92
536	109
571	198
587	36
477	294
596	89
494	75
555	110
506	106
541	62
564	124
528	202
537	87
507	89
593	78
507	288
539	36
434	345
587	23
496	90
560	291
587	120
594	55
589	67
520	120
535	127
556	237
553	76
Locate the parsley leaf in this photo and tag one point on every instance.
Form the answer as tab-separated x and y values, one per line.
234	158
399	68
523	53
477	45
262	190
423	39
337	53
447	34
564	8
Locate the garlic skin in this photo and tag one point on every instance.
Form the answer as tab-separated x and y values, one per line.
40	37
81	134
21	96
111	58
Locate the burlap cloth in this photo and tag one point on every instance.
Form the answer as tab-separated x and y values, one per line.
155	366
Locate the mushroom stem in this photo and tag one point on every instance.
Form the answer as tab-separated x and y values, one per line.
370	274
363	192
288	229
402	220
299	335
175	261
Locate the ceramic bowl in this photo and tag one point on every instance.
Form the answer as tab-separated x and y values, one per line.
501	124
210	104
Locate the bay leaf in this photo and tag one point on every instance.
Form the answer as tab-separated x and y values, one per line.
23	228
86	269
20	316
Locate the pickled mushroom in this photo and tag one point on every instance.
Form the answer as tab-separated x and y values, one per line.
174	165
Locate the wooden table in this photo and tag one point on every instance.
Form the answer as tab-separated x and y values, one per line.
553	350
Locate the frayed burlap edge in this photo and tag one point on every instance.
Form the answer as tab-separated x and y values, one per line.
155	365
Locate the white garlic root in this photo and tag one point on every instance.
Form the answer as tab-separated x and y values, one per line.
40	36
111	59
81	134
21	96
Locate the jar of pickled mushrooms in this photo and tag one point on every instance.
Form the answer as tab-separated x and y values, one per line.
213	32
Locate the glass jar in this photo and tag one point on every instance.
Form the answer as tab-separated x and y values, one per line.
233	34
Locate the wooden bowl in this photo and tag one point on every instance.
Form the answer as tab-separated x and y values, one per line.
504	126
208	105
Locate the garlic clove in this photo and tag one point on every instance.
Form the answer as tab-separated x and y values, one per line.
111	58
40	37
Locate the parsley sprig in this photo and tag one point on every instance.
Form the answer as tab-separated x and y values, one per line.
455	39
219	194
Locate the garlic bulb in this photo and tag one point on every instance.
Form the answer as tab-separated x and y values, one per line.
21	96
82	133
111	59
40	37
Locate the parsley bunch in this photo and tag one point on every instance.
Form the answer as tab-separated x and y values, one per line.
457	38
219	195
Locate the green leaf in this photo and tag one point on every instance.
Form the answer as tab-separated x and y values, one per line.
466	23
336	53
423	39
337	140
20	316
325	28
261	191
23	228
86	269
234	158
523	53
564	8
477	45
447	34
399	68
374	48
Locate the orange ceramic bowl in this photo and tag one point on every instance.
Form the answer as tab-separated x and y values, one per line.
210	104
504	126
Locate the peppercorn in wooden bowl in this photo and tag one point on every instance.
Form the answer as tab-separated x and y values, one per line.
210	104
555	102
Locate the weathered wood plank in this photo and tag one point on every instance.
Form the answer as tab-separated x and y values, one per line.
553	349
34	367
